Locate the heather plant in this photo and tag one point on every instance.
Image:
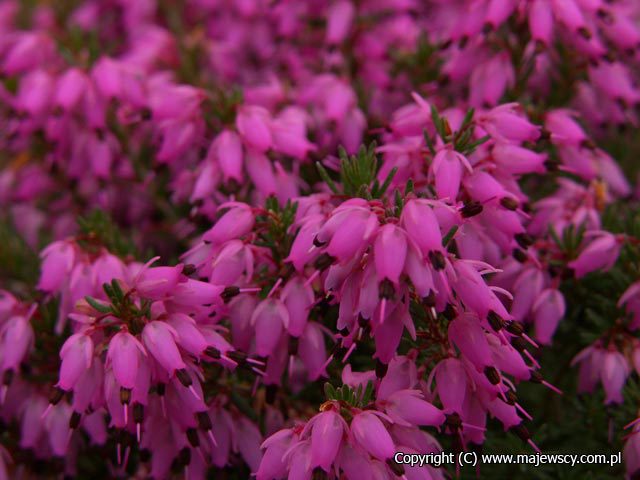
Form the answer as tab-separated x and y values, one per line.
292	239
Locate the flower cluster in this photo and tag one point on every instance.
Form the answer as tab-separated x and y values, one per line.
210	211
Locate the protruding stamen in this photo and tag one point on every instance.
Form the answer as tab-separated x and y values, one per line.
531	359
383	308
255	361
313	276
326	364
551	387
291	359
523	411
530	340
250	290
194	393
275	287
349	352
473	427
46	411
632	424
127	452
212	438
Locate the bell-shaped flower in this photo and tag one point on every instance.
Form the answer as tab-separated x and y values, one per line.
70	87
600	254
269	318
157	282
548	310
370	434
253	124
350	231
298	297
421	223
235	223
614	373
447	169
408	407
57	261
327	430
390	252
466	333
77	355
159	339
541	21
339	19
190	338
16	338
226	149
123	355
451	383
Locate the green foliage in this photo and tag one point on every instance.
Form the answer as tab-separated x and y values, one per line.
121	306
449	236
422	66
358	174
19	263
570	240
358	397
275	228
98	229
462	139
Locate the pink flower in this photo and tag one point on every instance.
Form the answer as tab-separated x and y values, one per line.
369	433
447	171
253	124
506	122
467	334
339	19
272	465
16	339
77	355
490	80
327	431
298	297
69	89
158	282
348	231
408	407
159	340
451	381
270	318
235	223
548	310
390	252
422	225
58	260
600	254
226	149
518	160
123	355
541	21
614	373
